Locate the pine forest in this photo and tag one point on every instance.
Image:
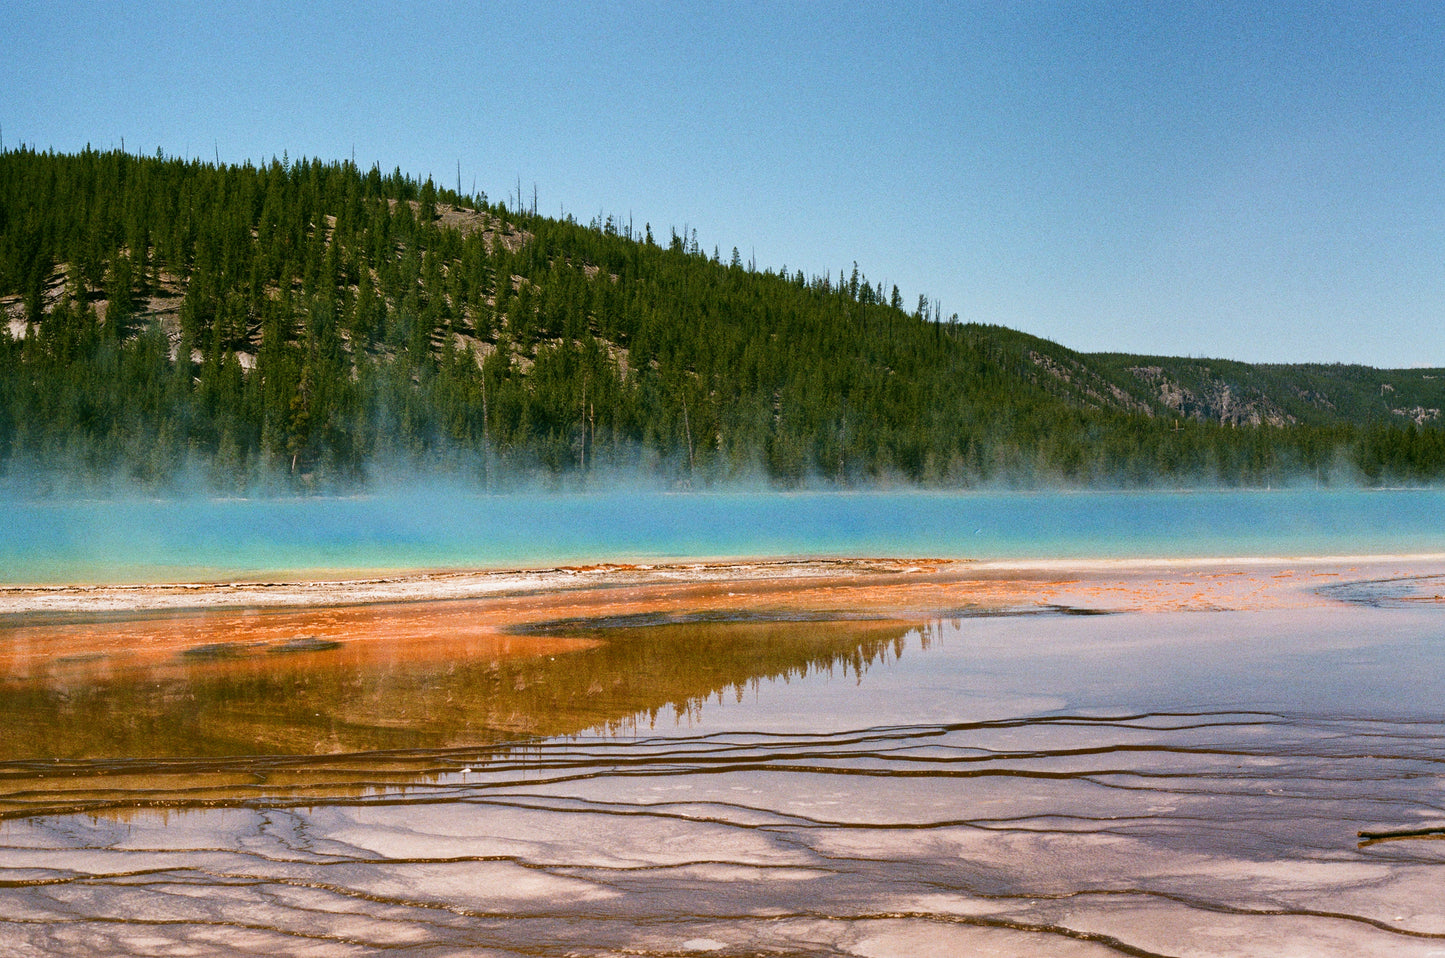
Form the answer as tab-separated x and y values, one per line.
306	324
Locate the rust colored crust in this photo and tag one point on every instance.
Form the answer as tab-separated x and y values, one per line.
498	623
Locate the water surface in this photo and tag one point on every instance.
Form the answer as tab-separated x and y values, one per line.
137	540
1202	783
1140	784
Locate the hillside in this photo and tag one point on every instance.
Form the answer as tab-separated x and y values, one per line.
308	323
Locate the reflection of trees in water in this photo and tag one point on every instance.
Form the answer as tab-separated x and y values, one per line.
691	663
323	702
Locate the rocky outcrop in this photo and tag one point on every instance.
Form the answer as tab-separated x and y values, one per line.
1418	414
1213	400
1086	385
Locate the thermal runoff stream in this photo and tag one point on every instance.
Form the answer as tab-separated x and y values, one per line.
1172	752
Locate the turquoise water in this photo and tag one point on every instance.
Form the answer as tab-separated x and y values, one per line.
136	540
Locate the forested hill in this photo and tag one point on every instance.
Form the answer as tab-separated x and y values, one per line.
305	322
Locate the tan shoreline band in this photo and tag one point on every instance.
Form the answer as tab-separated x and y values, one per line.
1129	584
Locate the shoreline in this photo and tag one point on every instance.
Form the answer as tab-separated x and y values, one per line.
777	576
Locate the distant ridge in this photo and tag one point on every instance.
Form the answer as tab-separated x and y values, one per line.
311	324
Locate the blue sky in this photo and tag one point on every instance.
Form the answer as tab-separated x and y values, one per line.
1247	181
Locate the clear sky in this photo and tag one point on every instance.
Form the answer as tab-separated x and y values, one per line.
1252	181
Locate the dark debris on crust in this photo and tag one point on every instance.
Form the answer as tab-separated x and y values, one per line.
225	651
305	643
637	620
1382	593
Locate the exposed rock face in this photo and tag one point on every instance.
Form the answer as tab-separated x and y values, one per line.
1215	400
1419	414
1088	385
1315	398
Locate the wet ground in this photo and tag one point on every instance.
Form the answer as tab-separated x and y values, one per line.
1216	762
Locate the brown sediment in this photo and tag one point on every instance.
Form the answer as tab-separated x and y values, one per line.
249	715
415	632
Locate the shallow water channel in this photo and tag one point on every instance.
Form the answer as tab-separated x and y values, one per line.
1198	783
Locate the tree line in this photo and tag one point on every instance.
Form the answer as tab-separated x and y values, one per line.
308	323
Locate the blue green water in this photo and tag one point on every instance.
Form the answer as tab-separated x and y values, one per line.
137	540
